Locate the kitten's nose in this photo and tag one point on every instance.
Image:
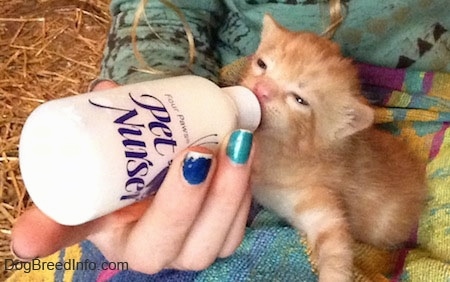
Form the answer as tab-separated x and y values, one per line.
264	89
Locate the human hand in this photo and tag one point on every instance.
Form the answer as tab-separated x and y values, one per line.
193	219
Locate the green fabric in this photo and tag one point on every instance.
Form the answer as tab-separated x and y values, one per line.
398	33
376	32
168	51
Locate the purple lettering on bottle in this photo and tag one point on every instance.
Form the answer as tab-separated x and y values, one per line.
137	153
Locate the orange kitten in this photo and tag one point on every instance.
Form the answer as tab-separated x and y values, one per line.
320	163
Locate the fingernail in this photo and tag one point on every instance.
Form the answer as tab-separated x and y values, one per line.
96	81
239	146
196	167
17	257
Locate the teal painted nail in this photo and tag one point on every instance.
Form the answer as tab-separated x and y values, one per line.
196	167
239	146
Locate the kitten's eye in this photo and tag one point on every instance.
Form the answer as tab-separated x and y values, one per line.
261	64
300	100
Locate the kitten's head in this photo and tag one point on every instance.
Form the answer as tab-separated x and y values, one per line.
306	89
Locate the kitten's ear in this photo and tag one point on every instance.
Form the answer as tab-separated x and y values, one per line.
357	117
270	26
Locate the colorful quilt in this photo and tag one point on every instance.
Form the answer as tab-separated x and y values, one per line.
416	106
411	104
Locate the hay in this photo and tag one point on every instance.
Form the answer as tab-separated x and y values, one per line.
48	49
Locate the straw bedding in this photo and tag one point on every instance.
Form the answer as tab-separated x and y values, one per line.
48	49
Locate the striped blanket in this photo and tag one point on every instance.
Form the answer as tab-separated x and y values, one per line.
413	105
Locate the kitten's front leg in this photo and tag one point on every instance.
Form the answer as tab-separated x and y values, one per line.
327	231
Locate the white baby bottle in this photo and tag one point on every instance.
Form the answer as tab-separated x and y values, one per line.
87	155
